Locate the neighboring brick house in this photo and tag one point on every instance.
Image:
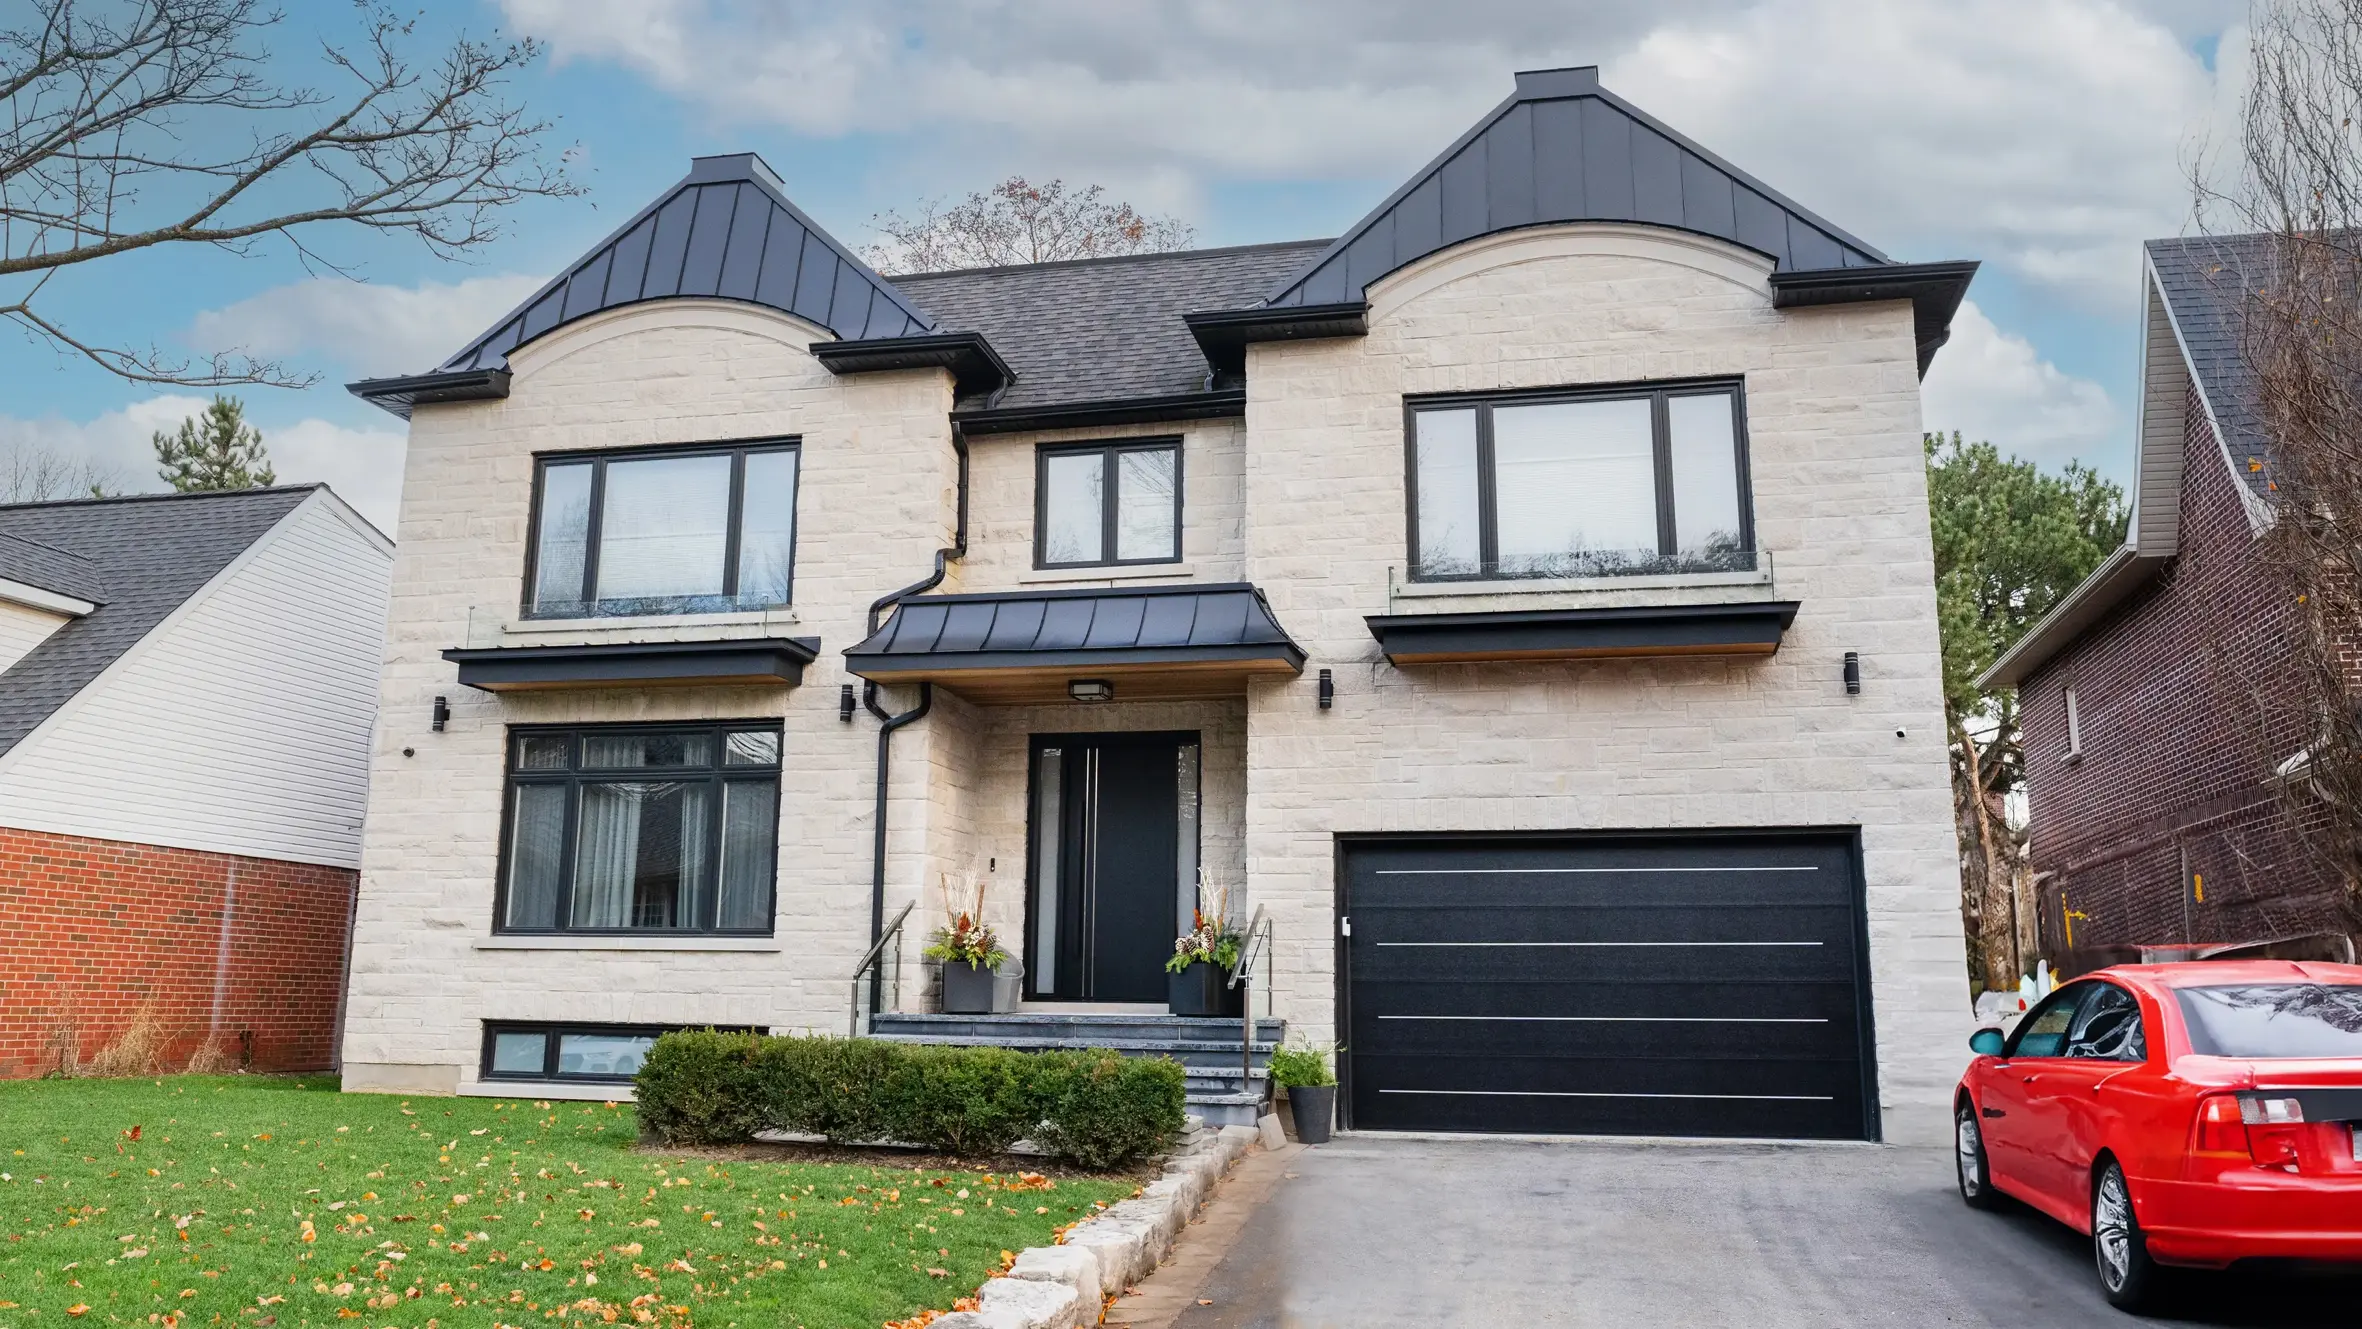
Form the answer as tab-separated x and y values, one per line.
2156	700
1418	587
187	684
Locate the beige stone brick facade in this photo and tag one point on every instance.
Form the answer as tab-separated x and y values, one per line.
1305	498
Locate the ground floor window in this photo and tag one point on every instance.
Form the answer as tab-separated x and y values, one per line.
609	1052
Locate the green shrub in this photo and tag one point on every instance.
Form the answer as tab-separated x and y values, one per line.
1302	1065
1099	1109
702	1087
1103	1109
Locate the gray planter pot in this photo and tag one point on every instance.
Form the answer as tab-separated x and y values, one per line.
1315	1109
967	989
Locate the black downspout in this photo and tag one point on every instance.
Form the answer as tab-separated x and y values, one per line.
890	722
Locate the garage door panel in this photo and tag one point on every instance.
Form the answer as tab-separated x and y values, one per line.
1667	985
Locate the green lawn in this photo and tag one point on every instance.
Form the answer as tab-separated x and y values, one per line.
250	1201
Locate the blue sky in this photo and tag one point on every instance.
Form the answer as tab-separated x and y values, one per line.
2046	139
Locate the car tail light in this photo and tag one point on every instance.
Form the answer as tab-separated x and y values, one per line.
2222	1128
2272	1111
2273	1125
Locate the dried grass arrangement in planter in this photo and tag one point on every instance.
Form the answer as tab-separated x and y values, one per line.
968	948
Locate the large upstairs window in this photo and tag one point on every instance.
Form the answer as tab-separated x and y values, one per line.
641	828
686	530
1580	484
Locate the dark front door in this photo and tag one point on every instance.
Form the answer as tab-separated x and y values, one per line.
1114	840
1616	984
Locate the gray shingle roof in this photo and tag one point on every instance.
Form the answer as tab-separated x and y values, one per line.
1102	329
152	551
51	569
725	230
2203	278
1563	149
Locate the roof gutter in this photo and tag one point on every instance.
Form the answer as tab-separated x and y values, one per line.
1096	414
2117	576
1935	291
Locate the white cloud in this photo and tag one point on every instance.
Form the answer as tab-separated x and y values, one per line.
370	329
1992	385
2045	135
364	466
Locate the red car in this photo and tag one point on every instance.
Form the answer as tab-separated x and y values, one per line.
2185	1114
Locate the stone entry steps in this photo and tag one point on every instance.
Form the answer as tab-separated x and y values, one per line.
1208	1049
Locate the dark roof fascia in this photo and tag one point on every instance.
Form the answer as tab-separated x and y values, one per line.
776	660
976	369
1554	85
867	663
1935	291
1223	334
1095	414
1749	627
399	395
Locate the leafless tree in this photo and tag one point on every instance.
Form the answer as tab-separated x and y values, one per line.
32	472
132	124
2298	184
1017	221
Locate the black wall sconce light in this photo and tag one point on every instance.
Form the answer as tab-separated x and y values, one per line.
1328	689
1853	673
845	702
442	713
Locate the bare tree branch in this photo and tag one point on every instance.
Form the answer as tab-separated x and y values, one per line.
1018	222
111	109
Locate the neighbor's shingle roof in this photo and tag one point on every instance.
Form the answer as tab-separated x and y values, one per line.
51	569
1103	329
2204	278
152	553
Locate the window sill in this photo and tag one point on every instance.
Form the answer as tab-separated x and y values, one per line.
1565	585
597	942
576	1091
783	615
1119	572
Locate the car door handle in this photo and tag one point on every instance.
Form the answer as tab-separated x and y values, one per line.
1991	1112
2030	1079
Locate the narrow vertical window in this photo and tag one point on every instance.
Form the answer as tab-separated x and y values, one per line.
2074	728
559	562
1072	499
1449	538
767	527
1702	438
1185	864
1048	807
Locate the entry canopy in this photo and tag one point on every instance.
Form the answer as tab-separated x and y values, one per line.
1150	643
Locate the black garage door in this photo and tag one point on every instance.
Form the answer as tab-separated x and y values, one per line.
1699	985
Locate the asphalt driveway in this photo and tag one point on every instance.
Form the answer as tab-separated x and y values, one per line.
1377	1231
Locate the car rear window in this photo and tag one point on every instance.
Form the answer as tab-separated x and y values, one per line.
2274	1020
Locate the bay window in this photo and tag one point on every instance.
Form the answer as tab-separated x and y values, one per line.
639	828
674	531
1580	484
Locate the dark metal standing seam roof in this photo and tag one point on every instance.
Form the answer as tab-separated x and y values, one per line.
57	571
727	231
1564	149
1104	328
153	551
2205	279
1165	624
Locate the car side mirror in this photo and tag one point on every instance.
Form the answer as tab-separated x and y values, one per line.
1986	1042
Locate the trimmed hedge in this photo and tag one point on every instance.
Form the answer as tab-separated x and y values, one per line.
1099	1109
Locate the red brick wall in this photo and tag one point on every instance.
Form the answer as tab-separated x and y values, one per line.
2184	711
93	931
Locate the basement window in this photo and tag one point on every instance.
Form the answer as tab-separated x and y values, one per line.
600	1053
1591	483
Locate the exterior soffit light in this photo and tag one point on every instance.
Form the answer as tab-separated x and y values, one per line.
1090	689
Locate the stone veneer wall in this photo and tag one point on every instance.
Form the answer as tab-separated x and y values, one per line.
1832	399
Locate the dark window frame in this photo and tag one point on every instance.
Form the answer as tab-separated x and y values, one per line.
738	450
1109	449
574	775
1657	392
551	1030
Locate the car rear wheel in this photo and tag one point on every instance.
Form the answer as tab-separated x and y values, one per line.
2127	1275
1968	1158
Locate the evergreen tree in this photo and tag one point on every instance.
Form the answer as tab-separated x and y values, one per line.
217	450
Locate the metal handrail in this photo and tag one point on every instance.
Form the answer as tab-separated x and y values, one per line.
892	933
1257	946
